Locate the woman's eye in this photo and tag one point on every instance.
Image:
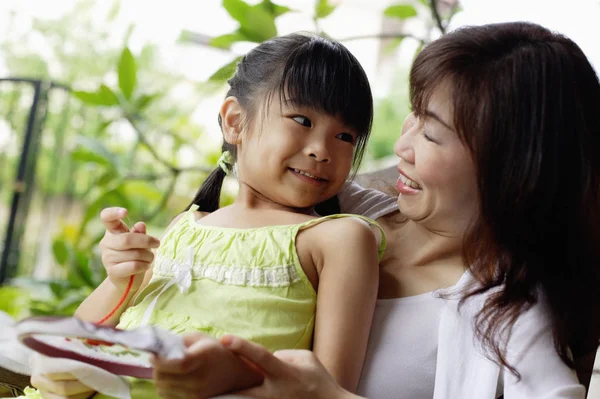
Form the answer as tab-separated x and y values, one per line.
302	120
346	137
427	137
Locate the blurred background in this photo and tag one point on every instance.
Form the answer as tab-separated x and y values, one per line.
114	103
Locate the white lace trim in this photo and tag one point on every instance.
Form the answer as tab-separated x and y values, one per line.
278	276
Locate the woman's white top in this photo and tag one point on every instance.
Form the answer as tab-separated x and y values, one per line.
408	334
402	351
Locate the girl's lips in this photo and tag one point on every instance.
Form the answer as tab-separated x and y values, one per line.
306	179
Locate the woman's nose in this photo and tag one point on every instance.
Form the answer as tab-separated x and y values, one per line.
404	145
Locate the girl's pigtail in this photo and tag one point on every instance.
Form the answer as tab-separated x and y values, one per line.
208	196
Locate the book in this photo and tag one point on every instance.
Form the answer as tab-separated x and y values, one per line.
122	352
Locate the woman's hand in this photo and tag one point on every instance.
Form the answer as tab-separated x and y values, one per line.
60	386
207	370
294	374
125	252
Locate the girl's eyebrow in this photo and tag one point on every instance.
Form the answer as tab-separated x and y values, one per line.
435	116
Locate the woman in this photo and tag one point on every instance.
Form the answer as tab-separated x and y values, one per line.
489	285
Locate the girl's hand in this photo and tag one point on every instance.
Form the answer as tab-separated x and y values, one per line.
60	386
207	370
125	252
287	373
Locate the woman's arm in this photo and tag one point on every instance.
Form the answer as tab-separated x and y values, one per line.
531	351
366	202
346	251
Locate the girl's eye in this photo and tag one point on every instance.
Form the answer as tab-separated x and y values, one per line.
302	120
346	137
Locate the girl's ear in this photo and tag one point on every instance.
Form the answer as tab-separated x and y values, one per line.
231	120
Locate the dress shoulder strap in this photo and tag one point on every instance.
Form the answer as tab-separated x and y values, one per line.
381	239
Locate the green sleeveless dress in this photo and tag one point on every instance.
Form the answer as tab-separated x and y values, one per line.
215	280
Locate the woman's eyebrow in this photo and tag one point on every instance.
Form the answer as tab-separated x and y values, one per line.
435	116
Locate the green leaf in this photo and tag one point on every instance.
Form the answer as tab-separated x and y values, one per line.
145	100
108	177
58	288
237	9
426	3
225	72
259	26
99	152
323	9
142	189
402	11
103	96
82	268
127	73
225	41
274	9
114	11
84	155
61	251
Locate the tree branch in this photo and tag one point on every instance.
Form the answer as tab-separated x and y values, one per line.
436	16
165	175
384	36
164	199
144	140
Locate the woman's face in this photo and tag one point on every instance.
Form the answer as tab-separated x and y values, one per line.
437	182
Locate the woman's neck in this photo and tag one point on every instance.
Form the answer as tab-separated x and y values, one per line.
418	259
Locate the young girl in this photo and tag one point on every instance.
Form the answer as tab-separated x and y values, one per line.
295	123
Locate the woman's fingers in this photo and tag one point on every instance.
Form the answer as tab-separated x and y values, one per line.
257	354
111	218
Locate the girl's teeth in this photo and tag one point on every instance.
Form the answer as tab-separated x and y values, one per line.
306	174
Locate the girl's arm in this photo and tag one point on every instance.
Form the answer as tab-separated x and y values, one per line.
125	253
346	251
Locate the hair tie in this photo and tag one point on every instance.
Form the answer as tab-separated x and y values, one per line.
226	161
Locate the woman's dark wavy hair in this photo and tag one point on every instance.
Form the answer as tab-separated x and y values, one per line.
304	70
526	103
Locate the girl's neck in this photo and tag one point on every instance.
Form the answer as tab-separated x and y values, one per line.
248	198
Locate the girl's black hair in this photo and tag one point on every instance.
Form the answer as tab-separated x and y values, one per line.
305	70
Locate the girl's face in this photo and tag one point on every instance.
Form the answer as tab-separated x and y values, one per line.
295	156
437	182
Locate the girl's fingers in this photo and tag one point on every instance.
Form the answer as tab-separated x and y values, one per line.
111	218
127	269
116	257
125	241
139	227
255	353
64	387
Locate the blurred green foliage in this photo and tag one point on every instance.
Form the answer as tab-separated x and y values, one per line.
85	163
